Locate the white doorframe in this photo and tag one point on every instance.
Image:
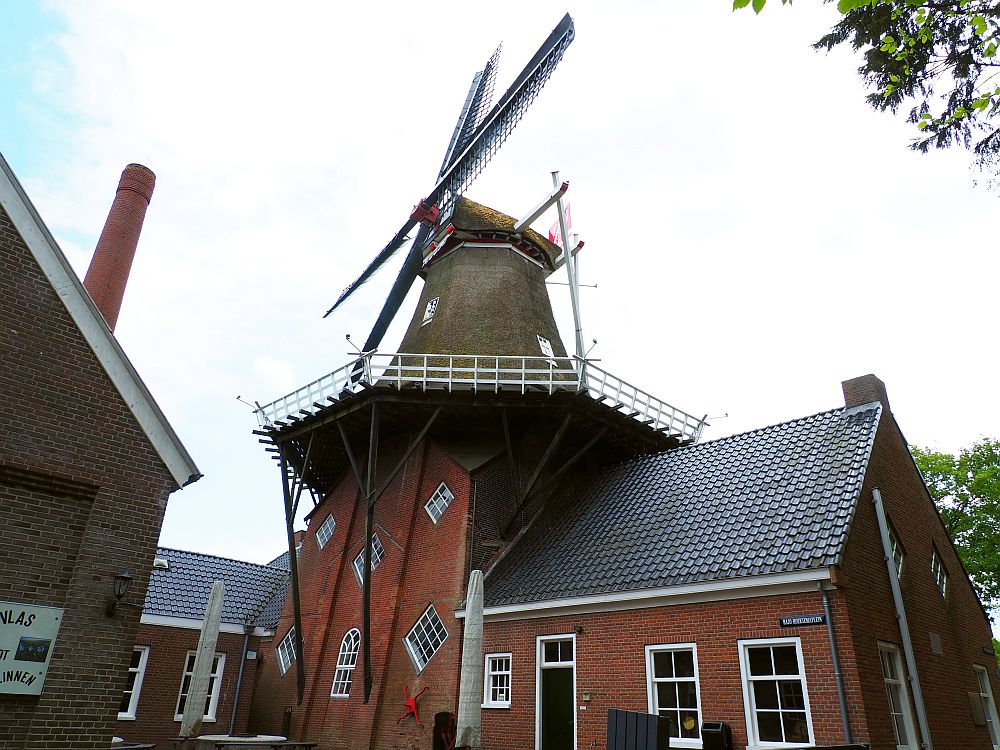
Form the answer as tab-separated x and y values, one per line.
540	641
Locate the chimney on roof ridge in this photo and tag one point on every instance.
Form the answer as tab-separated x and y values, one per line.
865	390
109	268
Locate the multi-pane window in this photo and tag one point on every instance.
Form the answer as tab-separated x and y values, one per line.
496	686
895	691
429	311
896	550
133	683
346	661
378	552
325	531
286	650
557	652
672	688
989	707
214	686
774	692
425	638
939	573
440	500
546	346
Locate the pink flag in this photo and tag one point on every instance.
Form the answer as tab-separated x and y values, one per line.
555	235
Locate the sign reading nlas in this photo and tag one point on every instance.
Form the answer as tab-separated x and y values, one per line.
27	634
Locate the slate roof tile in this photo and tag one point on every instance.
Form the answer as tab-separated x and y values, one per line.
773	500
182	590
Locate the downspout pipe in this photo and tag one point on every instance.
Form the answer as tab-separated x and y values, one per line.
247	630
838	675
904	628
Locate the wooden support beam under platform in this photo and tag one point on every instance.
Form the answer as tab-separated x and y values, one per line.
342	426
553	444
293	570
366	576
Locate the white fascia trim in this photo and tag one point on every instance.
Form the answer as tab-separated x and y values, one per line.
190	623
708	591
436	256
92	325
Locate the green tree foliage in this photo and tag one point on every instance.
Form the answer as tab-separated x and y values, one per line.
938	56
966	489
996	650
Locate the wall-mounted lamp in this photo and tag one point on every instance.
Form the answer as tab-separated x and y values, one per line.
578	629
123	582
585	695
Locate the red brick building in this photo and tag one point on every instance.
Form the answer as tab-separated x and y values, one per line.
743	580
87	461
163	657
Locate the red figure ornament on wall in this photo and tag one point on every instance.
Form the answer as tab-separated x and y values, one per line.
411	705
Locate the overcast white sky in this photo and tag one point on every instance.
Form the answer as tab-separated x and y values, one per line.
757	234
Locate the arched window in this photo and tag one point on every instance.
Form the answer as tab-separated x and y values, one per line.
345	664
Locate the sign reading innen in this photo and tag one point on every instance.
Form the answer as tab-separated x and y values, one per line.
794	622
27	635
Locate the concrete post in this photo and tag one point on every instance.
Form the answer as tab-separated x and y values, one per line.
470	689
194	706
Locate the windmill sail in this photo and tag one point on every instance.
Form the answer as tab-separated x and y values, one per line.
499	123
477	104
484	142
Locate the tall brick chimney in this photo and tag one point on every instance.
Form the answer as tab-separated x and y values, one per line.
865	390
108	273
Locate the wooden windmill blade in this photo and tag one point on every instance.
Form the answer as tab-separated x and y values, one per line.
477	105
461	169
499	123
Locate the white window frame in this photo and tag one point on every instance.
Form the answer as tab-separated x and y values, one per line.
892	650
744	647
547	351
898	553
439	501
490	672
378	552
430	310
412	637
540	664
989	705
651	682
347	660
325	531
286	651
133	702
939	572
214	685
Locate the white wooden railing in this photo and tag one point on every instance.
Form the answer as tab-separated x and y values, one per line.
493	372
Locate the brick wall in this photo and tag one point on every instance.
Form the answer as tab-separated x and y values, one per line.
610	663
424	564
168	649
83	496
957	618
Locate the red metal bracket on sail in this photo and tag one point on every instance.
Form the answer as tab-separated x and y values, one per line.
424	212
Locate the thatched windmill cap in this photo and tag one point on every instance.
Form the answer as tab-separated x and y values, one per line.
471	219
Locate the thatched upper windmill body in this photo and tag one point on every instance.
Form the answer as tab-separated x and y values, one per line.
481	391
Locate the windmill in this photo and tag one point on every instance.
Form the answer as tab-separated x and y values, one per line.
478	135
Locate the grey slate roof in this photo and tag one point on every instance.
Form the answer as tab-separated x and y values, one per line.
183	589
773	500
281	561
